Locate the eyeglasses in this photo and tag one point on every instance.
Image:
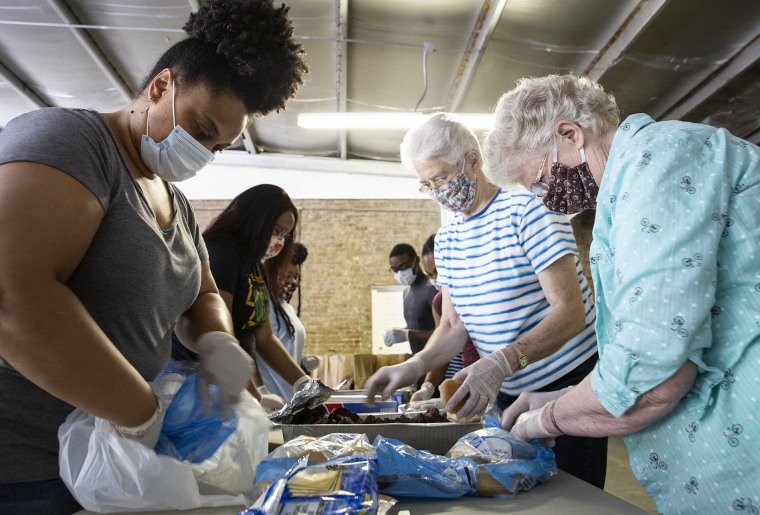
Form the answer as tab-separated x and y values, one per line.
437	184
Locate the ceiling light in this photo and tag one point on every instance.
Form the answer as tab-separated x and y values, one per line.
382	120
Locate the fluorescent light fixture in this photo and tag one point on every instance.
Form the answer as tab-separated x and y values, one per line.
383	120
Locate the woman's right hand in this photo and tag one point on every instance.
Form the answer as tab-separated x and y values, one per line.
425	392
389	379
149	431
271	402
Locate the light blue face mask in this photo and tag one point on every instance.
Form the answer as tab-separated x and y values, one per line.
177	158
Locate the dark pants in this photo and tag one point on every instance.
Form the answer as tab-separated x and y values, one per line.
582	457
35	497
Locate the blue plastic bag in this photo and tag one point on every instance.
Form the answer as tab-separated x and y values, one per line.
406	472
354	492
514	465
189	433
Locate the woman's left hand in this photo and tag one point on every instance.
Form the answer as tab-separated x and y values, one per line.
528	401
531	425
222	362
482	383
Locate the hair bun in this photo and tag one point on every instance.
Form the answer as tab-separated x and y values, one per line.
250	34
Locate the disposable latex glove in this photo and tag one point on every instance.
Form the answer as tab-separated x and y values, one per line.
271	402
482	382
424	393
528	401
396	335
310	363
389	379
531	425
149	431
300	383
222	362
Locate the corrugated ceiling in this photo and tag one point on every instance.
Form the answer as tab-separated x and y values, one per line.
688	59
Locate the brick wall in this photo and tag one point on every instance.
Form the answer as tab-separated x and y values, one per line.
348	243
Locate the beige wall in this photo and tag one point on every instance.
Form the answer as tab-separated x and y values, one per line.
348	243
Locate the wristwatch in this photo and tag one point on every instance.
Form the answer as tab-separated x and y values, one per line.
522	361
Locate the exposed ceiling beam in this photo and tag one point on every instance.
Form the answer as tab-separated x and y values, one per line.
21	88
481	33
341	49
683	100
93	51
248	142
639	18
235	158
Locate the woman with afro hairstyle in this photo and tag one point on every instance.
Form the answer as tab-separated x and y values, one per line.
101	255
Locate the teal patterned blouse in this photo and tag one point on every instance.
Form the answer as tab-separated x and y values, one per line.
675	260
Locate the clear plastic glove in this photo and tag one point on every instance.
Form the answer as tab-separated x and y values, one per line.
531	425
528	401
425	392
271	402
482	382
310	363
149	431
396	335
389	379
222	362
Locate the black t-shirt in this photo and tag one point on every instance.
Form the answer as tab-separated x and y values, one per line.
235	273
418	307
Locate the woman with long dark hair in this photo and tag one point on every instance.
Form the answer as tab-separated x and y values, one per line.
257	226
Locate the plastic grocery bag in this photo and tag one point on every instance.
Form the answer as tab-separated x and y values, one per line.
189	432
108	473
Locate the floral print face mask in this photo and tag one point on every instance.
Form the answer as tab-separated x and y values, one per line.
571	188
458	194
276	243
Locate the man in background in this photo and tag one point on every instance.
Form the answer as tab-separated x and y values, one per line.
418	299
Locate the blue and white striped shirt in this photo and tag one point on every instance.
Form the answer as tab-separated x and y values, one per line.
490	264
455	365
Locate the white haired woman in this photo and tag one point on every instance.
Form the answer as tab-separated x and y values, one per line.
510	280
677	277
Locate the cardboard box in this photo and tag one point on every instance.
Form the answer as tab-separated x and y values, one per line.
437	437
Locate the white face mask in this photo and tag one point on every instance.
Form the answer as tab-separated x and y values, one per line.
435	284
405	276
276	243
177	158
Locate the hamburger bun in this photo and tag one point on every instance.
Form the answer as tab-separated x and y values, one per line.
488	486
448	388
